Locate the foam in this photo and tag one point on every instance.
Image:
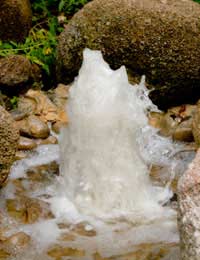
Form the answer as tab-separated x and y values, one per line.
101	160
105	155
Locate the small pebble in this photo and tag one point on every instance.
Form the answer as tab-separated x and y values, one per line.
56	127
34	127
20	155
18	240
183	134
26	143
18	115
49	140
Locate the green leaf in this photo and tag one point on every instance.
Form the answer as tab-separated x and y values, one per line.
7	46
61	5
36	60
14	43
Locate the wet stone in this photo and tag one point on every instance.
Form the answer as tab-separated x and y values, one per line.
97	256
49	140
176	122
18	115
33	126
196	125
59	251
63	225
27	105
42	170
26	143
56	127
168	123
46	110
184	111
157	176
20	155
84	229
19	187
4	254
28	210
67	236
36	177
3	232
149	251
155	119
60	95
183	134
18	240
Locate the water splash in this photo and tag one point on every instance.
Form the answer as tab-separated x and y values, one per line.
105	156
101	163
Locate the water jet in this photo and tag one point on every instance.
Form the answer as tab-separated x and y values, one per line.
104	199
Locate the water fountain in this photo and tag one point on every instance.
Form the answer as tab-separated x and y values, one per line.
100	159
106	153
105	156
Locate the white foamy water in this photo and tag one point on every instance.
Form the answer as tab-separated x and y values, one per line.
105	156
44	154
101	163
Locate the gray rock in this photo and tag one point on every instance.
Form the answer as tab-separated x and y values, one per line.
158	38
15	19
189	211
8	143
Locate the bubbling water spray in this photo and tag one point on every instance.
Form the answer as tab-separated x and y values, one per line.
105	156
101	164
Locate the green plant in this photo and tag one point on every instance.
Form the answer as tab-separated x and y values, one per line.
46	8
198	1
42	9
14	101
71	6
39	46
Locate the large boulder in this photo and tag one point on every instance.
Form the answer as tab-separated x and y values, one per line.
189	211
158	38
9	136
15	19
